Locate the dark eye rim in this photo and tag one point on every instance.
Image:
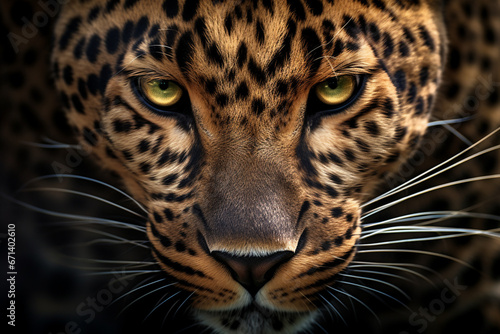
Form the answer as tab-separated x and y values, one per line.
317	109
180	108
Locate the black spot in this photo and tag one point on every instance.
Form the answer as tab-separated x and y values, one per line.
335	179
200	27
256	72
228	24
82	88
338	48
104	77
112	40
214	55
404	50
388	45
338	241
111	5
400	80
312	49
303	209
260	32
129	3
71	28
77	104
93	48
337	212
314	6
93	84
427	39
89	136
128	31
189	10
241	56
424	76
489	35
168	214
242	91
258	106
171	8
280	56
180	246
144	146
297	9
78	50
210	85
141	27
169	179
374	32
222	100
372	128
158	217
349	155
350	27
184	51
93	14
122	126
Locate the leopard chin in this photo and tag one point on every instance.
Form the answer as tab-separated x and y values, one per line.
255	319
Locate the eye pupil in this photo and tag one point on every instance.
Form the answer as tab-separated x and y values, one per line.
163	85
333	83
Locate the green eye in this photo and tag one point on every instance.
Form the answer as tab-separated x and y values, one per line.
162	93
337	90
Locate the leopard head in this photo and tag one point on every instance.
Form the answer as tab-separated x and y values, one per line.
252	131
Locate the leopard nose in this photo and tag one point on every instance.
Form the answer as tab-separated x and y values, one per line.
253	272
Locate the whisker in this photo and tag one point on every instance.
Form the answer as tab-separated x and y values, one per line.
185	300
449	184
79	177
377	281
431	216
160	304
422	252
413	181
450	121
457	134
103	273
144	295
87	219
396	266
356	299
136	289
333	308
97	198
364	287
379	273
50	146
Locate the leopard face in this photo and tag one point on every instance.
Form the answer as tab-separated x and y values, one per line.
252	132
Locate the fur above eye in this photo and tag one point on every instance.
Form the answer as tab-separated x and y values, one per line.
160	93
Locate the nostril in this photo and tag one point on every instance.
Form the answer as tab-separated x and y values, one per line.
253	271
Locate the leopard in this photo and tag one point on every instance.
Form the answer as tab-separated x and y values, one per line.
299	166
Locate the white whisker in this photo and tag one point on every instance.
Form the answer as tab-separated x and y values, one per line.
375	280
414	180
449	184
356	299
97	198
78	177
